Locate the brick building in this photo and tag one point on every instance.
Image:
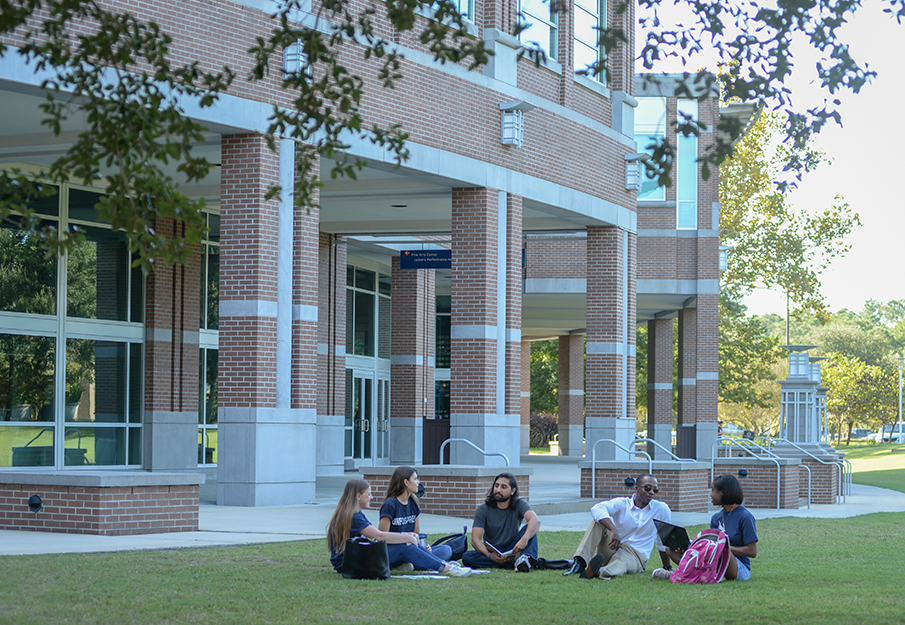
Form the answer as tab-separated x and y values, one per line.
294	344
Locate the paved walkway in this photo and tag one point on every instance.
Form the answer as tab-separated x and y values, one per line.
554	480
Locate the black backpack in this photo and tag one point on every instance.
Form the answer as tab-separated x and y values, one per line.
457	542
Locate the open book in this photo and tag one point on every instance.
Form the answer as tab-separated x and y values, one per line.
502	554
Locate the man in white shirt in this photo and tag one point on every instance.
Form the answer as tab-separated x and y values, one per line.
622	534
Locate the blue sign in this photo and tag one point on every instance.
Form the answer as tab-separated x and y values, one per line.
425	259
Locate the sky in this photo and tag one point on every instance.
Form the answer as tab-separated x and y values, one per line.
867	155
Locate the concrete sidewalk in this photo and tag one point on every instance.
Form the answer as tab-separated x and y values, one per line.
554	486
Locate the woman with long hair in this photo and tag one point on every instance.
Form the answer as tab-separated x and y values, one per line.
400	511
349	521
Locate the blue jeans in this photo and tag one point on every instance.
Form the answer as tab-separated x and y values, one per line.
477	560
444	552
416	555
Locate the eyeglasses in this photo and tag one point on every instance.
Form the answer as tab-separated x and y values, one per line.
649	488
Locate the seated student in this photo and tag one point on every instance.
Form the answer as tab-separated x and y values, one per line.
622	533
497	521
734	520
349	521
400	511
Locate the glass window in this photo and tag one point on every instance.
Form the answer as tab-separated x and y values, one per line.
28	274
29	446
385	285
442	339
441	399
687	169
650	127
384	327
363	328
99	276
26	378
82	205
210	297
542	25
207	414
101	368
590	18
466	8
364	279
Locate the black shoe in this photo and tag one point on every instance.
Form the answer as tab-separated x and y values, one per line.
578	566
594	566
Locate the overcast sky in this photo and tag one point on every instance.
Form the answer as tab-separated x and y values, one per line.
867	156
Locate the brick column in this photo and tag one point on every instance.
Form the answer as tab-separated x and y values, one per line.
170	423
513	370
611	302
268	317
571	395
621	61
331	354
659	385
483	406
412	361
525	408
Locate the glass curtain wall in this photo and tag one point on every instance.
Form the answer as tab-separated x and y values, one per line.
71	341
208	339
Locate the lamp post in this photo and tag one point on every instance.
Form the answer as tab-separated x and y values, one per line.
899	426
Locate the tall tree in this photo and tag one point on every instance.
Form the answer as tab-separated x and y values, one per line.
858	394
545	377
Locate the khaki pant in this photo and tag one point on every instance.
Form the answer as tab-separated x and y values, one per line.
624	561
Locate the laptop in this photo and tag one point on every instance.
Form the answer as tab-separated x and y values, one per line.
672	536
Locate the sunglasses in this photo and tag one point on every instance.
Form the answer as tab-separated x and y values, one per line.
649	488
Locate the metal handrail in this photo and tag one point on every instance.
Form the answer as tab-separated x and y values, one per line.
838	463
674	457
465	440
745	444
650	462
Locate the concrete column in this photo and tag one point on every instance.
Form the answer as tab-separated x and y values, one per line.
268	328
483	408
170	427
331	355
412	363
571	395
659	385
707	376
611	301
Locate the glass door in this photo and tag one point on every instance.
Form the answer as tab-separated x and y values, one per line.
360	426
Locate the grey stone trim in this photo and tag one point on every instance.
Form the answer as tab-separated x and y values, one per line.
473	332
248	308
680	287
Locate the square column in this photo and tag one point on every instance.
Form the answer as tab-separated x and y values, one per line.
268	327
170	428
707	377
331	354
412	361
660	364
611	303
485	385
571	395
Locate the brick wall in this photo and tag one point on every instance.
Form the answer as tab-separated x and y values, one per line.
450	495
681	490
102	511
760	484
824	482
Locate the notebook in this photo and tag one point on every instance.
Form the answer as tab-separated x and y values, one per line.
672	536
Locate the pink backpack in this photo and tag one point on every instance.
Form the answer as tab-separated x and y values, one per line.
705	561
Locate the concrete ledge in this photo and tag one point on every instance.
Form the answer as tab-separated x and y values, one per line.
465	470
102	479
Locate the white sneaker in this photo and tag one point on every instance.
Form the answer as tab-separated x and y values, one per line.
405	567
661	573
523	564
457	570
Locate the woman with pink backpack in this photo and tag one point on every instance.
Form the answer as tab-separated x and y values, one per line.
709	559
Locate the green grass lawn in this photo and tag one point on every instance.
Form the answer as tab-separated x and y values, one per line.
799	577
878	465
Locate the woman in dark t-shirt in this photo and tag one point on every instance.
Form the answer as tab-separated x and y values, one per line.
400	511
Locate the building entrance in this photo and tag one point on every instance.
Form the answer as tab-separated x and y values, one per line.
367	424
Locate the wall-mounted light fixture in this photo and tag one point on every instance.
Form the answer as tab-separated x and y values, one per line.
512	125
742	474
634	170
629	482
35	504
295	61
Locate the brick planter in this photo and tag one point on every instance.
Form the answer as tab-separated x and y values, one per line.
683	485
824	481
760	484
451	490
101	503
